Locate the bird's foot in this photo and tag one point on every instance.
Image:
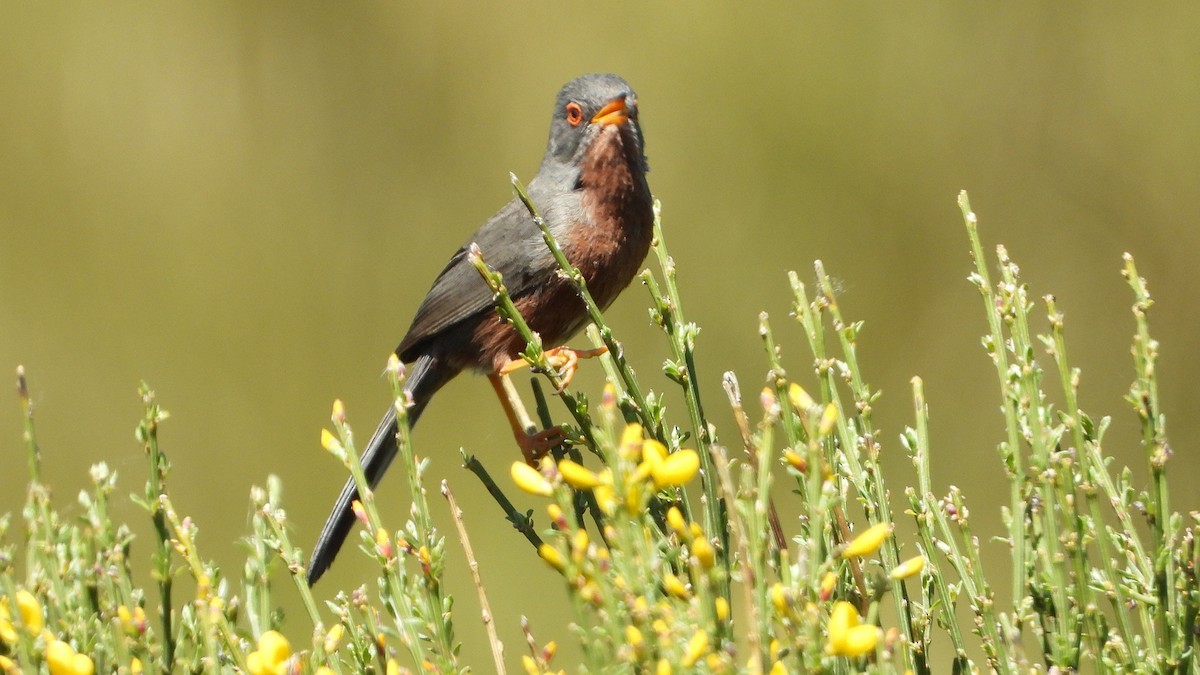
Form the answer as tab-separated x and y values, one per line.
564	360
535	446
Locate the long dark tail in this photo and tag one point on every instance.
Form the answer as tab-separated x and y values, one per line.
426	376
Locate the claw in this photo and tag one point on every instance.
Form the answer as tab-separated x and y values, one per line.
535	446
562	359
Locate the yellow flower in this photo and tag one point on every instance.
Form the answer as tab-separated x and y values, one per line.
663	667
530	665
577	475
31	611
271	656
393	668
531	480
778	669
696	648
63	660
8	666
868	542
653	452
908	568
135	666
323	670
846	636
7	632
677	469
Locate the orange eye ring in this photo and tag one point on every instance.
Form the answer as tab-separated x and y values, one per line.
574	114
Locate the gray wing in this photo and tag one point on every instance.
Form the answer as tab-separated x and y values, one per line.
512	244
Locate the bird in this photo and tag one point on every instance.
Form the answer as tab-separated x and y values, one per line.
592	191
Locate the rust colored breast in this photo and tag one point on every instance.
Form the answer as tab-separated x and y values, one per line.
608	246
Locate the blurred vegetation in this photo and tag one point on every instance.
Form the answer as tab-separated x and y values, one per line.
1104	574
244	204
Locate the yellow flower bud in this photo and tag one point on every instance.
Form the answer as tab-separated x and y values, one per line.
634	637
8	666
908	568
333	639
676	469
339	411
828	583
868	542
135	666
531	480
329	441
552	557
530	665
590	593
577	475
696	648
779	598
828	418
722	606
799	398
675	587
579	546
796	460
677	522
663	667
778	669
631	442
704	553
392	667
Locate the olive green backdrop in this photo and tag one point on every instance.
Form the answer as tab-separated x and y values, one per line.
243	204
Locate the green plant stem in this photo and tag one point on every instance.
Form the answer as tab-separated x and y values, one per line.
996	349
1069	380
924	517
147	433
1144	396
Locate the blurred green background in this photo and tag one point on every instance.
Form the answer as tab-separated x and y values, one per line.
243	204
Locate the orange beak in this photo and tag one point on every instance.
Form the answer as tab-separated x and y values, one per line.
613	112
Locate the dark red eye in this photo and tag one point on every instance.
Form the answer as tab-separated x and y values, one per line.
574	114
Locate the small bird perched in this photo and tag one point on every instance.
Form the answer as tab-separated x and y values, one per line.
591	188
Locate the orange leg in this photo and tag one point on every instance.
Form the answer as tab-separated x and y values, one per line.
563	359
533	445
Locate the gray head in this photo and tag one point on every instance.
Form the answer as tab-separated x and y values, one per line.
585	105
